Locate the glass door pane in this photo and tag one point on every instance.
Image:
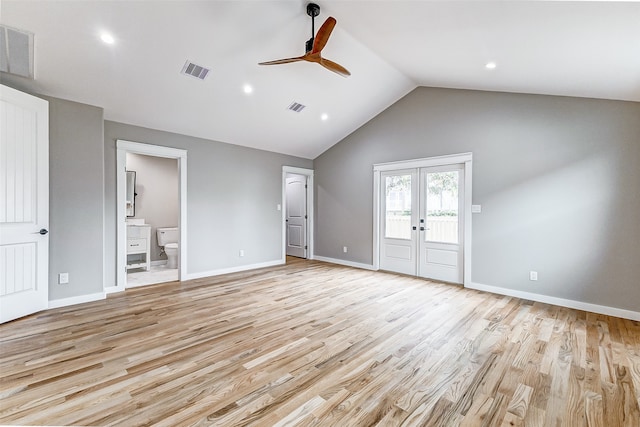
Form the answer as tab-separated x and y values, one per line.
442	207
398	207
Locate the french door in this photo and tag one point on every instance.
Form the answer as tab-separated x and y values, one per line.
422	220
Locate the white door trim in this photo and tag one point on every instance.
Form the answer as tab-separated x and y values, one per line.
123	147
463	158
309	174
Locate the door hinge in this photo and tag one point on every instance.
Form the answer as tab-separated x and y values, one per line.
305	217
305	246
306	186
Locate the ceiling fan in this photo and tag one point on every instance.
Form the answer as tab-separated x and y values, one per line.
314	45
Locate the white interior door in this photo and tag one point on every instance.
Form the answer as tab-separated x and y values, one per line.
24	194
441	223
296	215
399	208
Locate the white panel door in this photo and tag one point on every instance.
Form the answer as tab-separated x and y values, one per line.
441	223
24	211
398	235
296	215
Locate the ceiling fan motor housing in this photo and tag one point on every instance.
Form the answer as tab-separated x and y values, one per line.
313	10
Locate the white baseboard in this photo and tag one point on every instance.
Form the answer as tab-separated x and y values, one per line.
233	269
113	289
344	262
65	302
578	305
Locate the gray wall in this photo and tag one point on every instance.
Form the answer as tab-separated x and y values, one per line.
558	179
76	189
157	200
232	196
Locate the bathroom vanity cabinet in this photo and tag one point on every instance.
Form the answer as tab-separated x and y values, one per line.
138	247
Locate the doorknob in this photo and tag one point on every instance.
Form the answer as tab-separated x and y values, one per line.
414	227
42	231
421	228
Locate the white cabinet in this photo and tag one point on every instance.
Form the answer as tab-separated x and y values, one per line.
138	246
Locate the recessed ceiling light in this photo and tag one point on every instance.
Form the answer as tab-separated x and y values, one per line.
324	117
491	65
247	89
107	38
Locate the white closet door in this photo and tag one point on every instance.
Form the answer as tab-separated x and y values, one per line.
24	197
296	218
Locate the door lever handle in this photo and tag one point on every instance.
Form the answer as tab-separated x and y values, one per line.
421	228
42	231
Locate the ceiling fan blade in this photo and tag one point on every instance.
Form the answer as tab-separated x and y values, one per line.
283	61
322	37
335	67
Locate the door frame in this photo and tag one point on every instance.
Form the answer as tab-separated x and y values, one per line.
310	220
122	148
466	159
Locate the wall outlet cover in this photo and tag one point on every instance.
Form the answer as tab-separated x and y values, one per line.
63	278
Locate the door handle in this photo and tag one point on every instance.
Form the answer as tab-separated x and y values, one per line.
421	228
42	231
414	227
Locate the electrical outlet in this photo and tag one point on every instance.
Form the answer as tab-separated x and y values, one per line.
279	207
63	278
344	249
241	252
533	275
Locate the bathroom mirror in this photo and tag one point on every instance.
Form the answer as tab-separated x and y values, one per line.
131	194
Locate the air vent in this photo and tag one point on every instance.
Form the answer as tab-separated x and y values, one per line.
16	52
296	107
194	70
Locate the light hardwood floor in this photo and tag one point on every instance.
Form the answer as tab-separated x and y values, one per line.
311	344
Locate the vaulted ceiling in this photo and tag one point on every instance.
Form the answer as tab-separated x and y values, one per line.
583	49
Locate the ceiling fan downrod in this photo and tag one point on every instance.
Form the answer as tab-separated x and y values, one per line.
313	10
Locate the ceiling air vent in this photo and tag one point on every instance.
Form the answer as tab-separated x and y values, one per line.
16	52
296	107
194	70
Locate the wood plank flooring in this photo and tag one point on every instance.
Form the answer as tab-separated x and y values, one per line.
314	344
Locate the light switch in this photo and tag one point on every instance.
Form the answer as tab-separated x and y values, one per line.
476	208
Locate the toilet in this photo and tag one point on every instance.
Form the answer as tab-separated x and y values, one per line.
168	240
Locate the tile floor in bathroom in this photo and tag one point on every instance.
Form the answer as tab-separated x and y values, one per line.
157	274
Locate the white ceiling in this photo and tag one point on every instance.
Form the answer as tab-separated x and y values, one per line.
584	49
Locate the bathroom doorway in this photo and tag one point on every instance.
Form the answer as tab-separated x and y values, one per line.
151	199
152	219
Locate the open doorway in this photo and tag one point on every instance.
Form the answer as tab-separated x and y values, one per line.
152	219
297	212
151	245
